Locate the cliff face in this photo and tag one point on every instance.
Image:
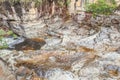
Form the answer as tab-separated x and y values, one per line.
17	11
28	11
16	16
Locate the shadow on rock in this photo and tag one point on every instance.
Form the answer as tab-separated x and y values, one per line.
27	44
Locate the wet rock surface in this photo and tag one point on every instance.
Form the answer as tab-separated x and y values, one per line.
53	49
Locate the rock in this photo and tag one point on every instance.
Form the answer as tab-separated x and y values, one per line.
21	43
112	70
115	21
79	17
17	28
61	59
102	67
83	31
23	73
103	40
12	42
60	75
93	73
52	44
5	73
53	41
30	44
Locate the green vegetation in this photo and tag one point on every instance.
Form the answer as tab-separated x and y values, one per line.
101	7
3	43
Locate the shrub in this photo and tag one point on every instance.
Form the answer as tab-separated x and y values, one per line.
3	43
101	7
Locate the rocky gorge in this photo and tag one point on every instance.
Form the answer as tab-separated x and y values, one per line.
79	48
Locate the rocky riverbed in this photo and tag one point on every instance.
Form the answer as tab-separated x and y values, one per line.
69	51
54	49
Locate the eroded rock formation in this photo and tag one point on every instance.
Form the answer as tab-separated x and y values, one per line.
85	49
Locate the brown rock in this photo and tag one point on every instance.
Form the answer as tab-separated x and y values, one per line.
30	44
38	78
5	74
113	72
85	49
115	21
